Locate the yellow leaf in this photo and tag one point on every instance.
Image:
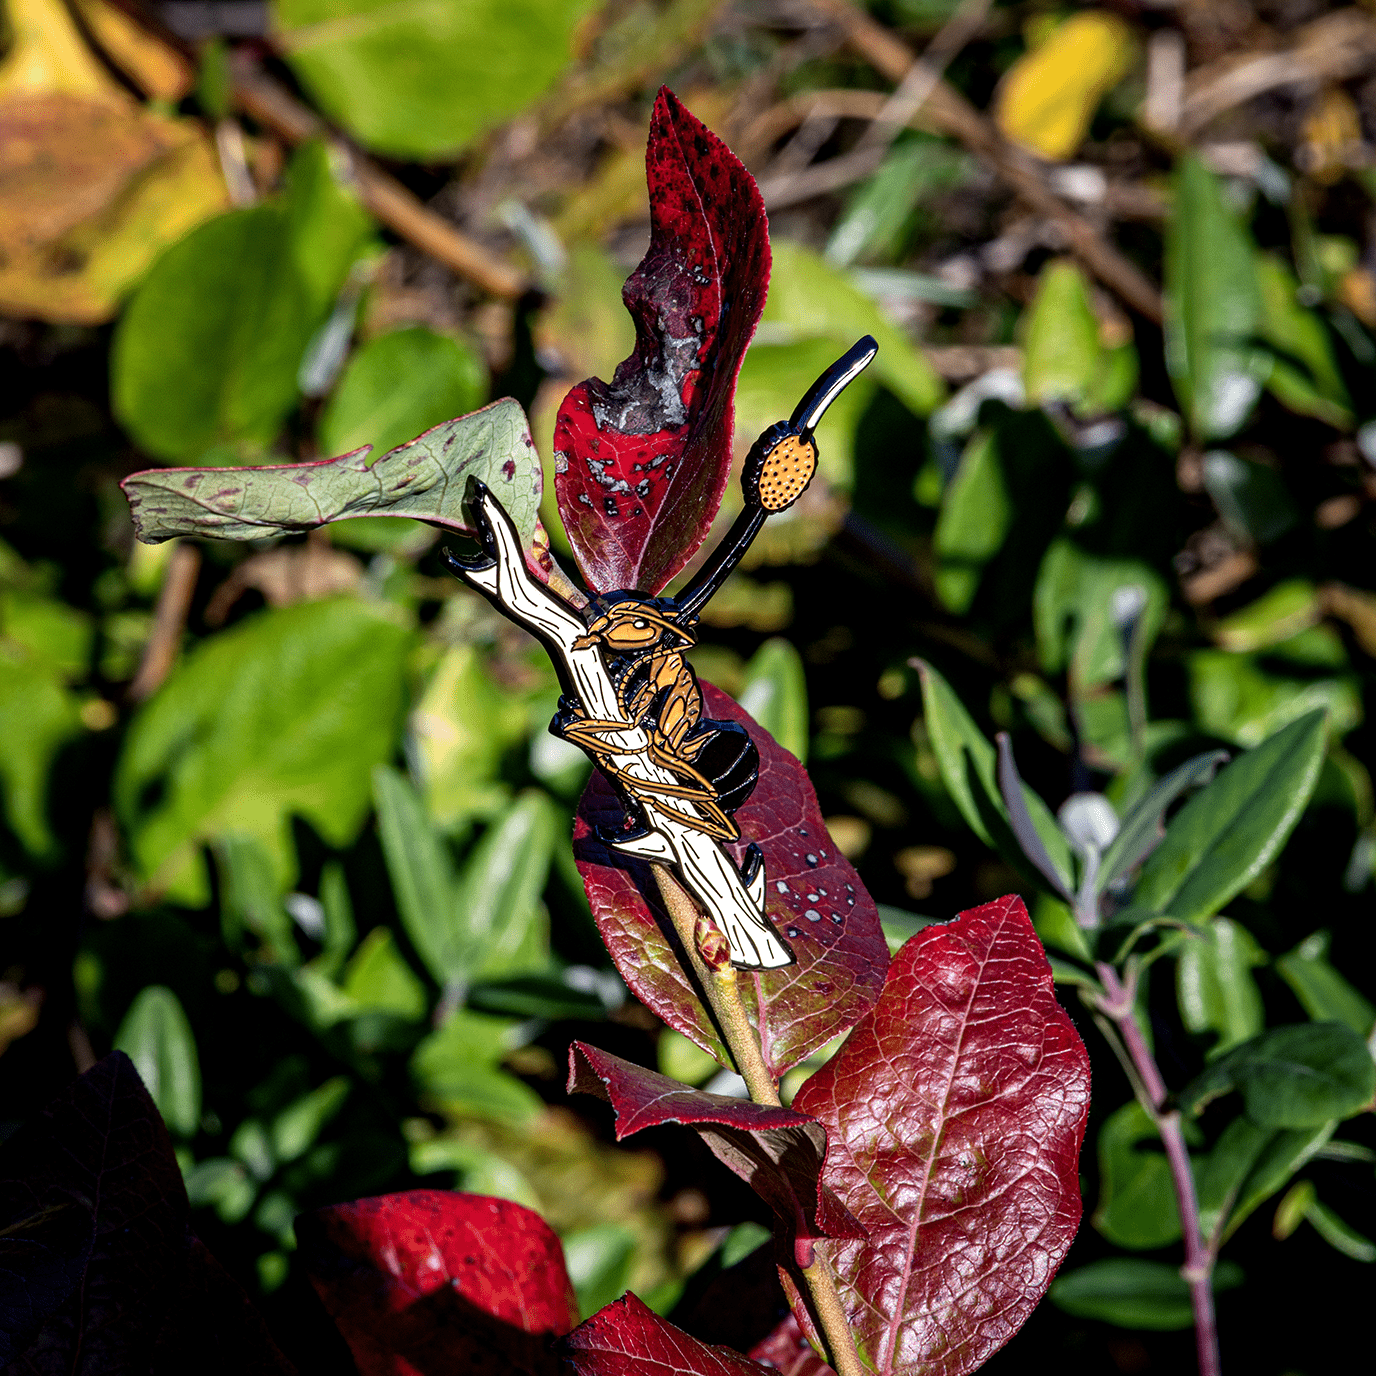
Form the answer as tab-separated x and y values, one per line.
159	71
90	192
1049	95
48	55
1332	137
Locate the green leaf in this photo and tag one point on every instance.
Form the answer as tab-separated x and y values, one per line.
1229	832
1137	1206
378	978
39	715
327	227
504	926
338	909
1247	1165
976	515
969	769
457	1067
1339	1235
399	385
1242	699
543	994
1073	612
599	1263
1304	374
1251	497
1213	306
1062	355
156	1036
295	1129
1214	986
56	636
206	353
775	694
1141	830
1132	1293
1323	993
420	79
1279	613
425	479
284	714
251	891
424	883
1292	1077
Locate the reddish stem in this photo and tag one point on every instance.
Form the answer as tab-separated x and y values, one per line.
1199	1261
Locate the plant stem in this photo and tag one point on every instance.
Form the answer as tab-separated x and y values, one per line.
723	994
1151	1091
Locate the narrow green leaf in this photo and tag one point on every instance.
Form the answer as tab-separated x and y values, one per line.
39	715
1061	354
1213	306
340	930
423	880
976	515
969	769
251	901
1324	994
1247	1165
1229	832
775	694
1137	1206
294	1131
327	228
1214	986
503	924
1292	1077
1142	828
599	1263
425	478
458	1066
1340	1235
1304	374
1133	1293
156	1036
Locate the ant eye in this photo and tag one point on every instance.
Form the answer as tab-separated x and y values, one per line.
639	625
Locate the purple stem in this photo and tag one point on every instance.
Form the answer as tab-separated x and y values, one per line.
1199	1261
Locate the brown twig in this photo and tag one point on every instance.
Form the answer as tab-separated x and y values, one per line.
949	111
169	621
258	95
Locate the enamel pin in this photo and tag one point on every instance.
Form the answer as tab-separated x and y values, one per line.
632	701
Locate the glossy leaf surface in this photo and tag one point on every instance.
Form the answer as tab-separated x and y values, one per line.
1227	834
1292	1077
156	1036
93	1209
628	1338
1323	993
1137	1205
434	1280
955	1112
425	478
641	462
777	1152
813	895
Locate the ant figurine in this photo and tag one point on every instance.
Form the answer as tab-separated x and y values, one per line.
679	775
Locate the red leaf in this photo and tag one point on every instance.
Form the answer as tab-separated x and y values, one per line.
815	898
641	463
955	1113
431	1280
100	1276
788	1351
777	1152
627	1338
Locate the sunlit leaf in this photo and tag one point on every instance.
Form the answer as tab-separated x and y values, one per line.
156	1036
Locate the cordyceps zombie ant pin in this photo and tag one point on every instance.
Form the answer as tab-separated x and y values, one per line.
632	701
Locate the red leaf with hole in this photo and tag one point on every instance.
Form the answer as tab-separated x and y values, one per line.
814	896
641	462
627	1338
777	1152
432	1280
99	1275
954	1113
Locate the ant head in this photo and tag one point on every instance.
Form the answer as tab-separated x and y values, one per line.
628	624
